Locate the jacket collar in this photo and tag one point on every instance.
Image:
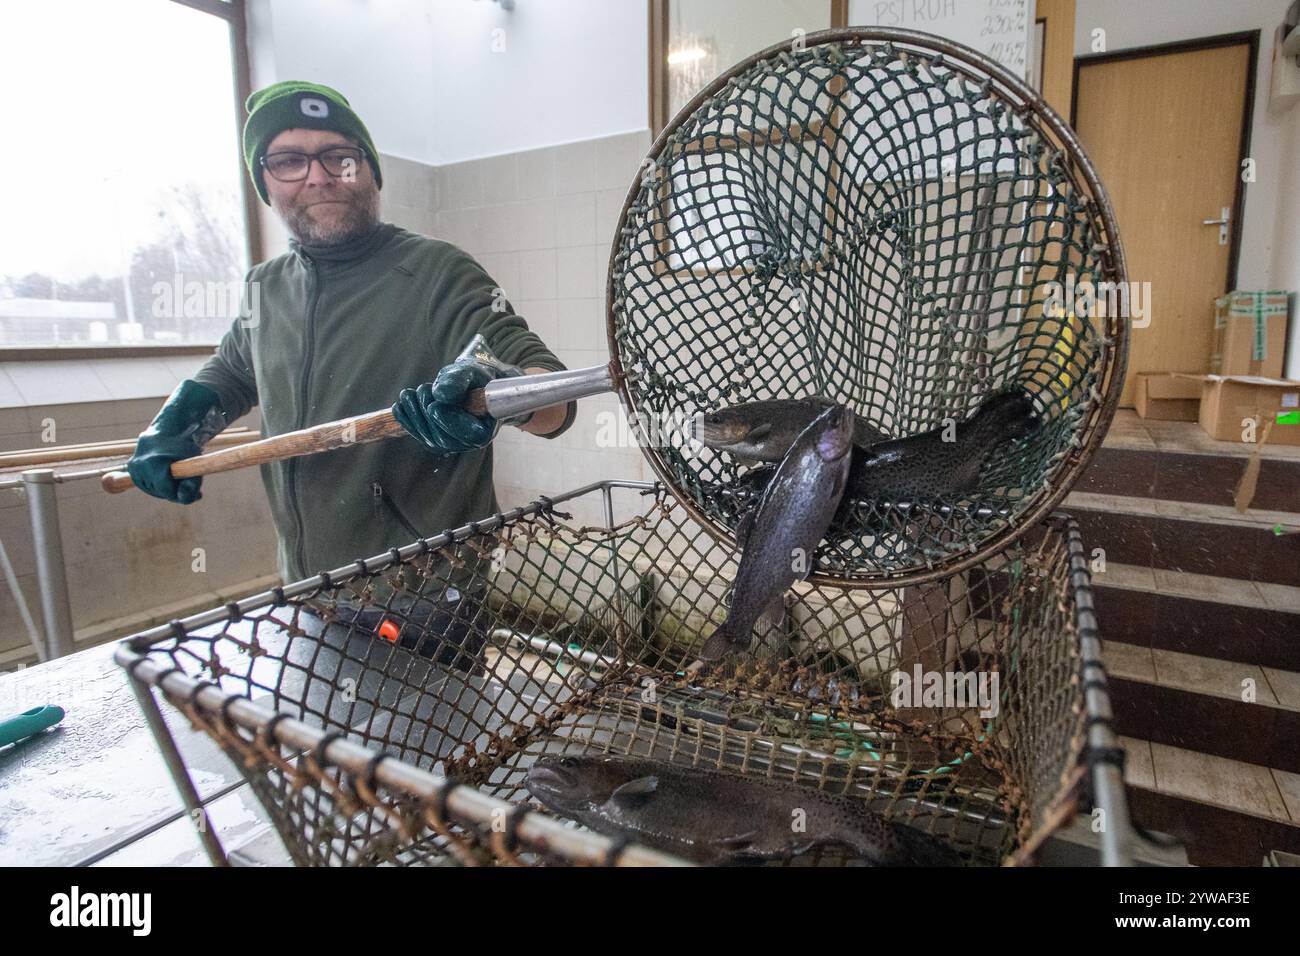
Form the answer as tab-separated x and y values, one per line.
346	253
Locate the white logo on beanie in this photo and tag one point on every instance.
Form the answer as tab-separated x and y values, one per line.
314	106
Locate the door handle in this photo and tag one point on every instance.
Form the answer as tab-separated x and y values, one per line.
1222	222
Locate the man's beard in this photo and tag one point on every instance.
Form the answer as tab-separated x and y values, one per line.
361	215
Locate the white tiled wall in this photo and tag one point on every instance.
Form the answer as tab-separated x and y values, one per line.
410	194
541	223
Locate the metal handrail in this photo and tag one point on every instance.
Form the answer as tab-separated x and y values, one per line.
16	481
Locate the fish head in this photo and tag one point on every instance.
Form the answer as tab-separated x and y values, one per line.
571	784
738	430
833	429
1012	413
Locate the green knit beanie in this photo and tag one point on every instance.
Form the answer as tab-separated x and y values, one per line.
294	104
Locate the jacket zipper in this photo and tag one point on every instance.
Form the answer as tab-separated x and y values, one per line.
378	491
292	465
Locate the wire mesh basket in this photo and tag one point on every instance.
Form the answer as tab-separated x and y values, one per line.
892	221
400	729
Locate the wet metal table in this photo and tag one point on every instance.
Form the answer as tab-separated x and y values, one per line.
95	787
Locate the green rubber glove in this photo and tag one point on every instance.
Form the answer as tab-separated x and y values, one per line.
433	412
185	423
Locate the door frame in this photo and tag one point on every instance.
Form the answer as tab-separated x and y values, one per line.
1251	39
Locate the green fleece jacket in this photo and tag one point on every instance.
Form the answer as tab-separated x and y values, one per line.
339	332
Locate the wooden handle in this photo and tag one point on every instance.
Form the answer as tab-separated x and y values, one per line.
357	430
88	451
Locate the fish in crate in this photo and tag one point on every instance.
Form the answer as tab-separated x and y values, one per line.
527	690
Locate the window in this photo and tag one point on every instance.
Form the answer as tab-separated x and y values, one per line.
126	211
692	42
708	221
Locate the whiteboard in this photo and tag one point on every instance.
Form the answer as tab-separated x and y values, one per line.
997	28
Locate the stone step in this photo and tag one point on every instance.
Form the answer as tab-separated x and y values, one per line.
1176	461
1226	812
1205	615
1152	700
1260	546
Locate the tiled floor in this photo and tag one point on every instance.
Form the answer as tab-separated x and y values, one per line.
1139	771
1129	662
1140	434
1285	686
1289	785
1280	596
1207	587
1130	576
1202	675
1203	587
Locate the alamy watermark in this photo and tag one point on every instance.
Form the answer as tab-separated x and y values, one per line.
615	429
948	689
1085	298
75	908
179	298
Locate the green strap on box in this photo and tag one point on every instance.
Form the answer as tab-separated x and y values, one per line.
1255	305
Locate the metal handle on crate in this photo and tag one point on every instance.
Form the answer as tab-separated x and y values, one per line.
501	398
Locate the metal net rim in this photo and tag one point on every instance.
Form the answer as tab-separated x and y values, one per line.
1079	171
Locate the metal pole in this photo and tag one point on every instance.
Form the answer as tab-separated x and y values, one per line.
33	633
51	574
180	776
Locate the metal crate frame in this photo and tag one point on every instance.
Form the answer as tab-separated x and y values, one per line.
441	803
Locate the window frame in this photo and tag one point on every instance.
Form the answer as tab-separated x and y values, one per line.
659	32
234	13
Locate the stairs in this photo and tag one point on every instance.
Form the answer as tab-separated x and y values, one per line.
1199	607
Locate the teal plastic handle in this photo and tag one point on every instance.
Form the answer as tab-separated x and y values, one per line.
29	722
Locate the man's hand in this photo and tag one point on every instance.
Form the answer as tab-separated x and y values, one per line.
433	412
185	423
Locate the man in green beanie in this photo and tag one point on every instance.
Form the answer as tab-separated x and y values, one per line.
357	314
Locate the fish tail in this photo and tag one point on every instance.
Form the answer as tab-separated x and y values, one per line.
721	642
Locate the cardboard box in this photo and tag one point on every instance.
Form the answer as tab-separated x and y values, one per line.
1167	397
1227	400
1250	334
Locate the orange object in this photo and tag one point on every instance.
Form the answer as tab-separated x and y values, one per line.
389	630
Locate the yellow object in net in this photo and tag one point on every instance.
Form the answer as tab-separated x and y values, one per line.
1064	349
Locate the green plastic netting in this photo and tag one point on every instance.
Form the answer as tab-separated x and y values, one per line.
876	217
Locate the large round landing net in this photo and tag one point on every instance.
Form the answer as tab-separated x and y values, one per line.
891	221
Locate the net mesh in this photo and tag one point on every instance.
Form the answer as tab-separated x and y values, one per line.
880	225
540	636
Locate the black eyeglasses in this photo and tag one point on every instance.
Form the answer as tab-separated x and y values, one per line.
290	166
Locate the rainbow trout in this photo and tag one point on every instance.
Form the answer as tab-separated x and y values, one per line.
907	469
780	534
721	818
927	466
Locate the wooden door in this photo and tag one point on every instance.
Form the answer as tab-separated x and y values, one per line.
1165	130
